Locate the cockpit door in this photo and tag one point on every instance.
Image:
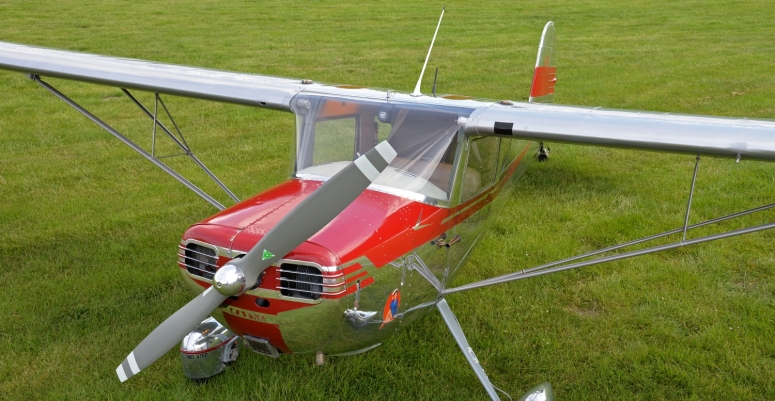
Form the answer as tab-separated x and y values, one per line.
474	183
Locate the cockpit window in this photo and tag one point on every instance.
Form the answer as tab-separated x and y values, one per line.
335	140
332	132
482	165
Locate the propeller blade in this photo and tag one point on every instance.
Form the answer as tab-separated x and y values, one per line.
169	333
306	219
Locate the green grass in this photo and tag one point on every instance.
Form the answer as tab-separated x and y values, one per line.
88	230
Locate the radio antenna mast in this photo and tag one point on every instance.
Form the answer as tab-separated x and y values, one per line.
433	92
419	81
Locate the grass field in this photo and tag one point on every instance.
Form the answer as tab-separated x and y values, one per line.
89	230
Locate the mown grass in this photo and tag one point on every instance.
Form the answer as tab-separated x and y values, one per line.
88	230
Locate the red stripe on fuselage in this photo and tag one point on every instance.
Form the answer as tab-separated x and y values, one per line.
351	269
355	277
351	289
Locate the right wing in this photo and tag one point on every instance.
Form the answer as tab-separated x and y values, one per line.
662	132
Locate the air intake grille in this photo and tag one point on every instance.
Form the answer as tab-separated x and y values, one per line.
300	281
200	261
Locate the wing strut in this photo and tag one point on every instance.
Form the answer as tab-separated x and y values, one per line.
548	268
181	143
129	143
691	195
565	264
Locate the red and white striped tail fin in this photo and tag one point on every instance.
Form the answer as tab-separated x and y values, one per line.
545	75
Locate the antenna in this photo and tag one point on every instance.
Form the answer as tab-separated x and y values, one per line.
434	81
419	81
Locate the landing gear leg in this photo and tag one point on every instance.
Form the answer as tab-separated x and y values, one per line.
542	392
462	342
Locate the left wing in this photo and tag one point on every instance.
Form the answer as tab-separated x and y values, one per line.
202	83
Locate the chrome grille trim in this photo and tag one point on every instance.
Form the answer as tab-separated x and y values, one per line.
184	249
304	274
309	286
327	285
197	261
318	293
182	255
200	261
193	267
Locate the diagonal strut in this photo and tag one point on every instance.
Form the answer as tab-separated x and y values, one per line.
128	142
180	142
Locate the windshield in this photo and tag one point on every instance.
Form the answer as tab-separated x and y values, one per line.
332	132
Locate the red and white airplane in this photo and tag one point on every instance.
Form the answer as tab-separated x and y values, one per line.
390	192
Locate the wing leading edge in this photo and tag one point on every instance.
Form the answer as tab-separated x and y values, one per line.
222	86
662	132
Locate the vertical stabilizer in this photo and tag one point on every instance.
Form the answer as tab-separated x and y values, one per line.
545	75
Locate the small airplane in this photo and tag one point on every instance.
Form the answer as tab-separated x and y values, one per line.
390	193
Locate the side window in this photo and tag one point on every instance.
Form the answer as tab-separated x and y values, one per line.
334	140
508	153
482	166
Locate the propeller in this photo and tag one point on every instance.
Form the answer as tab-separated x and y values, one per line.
240	275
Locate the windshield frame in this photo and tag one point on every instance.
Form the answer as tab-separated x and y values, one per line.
306	107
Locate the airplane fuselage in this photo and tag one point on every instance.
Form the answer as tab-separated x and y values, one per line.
374	269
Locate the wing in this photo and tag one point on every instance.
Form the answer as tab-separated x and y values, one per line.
666	132
539	120
730	137
222	86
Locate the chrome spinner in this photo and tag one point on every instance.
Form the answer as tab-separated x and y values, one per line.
208	350
229	280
